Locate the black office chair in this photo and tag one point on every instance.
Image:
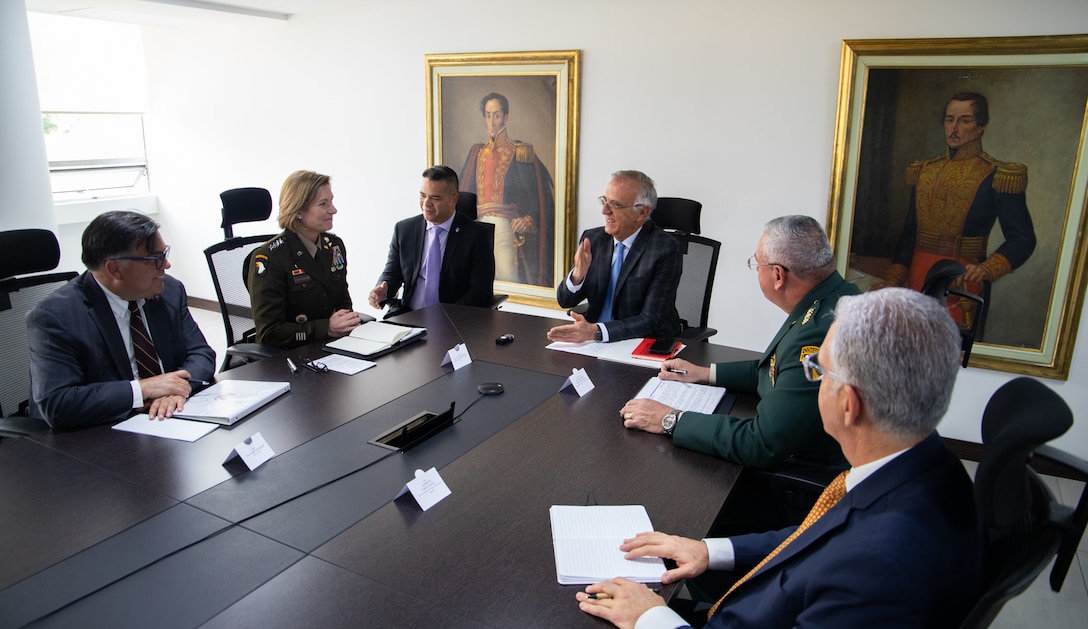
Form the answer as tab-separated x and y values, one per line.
23	251
1026	526
466	204
228	263
680	217
938	285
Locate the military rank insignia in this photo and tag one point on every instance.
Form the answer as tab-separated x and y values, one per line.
770	370
809	314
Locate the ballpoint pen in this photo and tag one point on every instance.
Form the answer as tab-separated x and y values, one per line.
682	372
291	364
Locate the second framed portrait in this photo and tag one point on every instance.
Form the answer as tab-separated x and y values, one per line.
508	124
970	154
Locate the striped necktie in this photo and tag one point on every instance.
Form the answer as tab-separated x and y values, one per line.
147	359
831	495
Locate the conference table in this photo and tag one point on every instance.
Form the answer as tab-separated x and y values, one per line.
100	527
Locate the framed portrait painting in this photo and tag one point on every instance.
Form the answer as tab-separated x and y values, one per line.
508	124
974	150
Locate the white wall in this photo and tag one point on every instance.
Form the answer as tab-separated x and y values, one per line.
732	103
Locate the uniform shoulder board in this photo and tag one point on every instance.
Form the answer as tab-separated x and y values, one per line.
272	246
524	152
1010	177
913	170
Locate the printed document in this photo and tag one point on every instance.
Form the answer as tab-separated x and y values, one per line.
684	396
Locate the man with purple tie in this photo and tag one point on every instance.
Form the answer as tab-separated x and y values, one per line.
440	256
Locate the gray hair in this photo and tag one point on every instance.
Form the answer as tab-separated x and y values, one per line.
901	350
647	193
799	244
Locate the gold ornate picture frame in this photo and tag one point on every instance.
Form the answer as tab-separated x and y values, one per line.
890	140
522	164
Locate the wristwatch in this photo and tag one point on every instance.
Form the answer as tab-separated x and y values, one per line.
668	422
599	336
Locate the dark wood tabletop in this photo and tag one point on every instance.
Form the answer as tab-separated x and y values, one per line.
339	551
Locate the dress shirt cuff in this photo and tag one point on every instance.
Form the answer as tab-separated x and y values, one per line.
660	617
722	555
604	332
571	286
713	370
137	394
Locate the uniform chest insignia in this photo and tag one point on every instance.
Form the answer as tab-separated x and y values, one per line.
770	370
338	262
808	315
297	272
275	244
301	318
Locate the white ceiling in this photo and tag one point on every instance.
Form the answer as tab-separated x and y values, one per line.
170	12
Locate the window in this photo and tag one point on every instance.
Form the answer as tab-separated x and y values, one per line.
95	154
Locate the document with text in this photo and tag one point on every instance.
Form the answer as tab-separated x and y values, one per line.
685	396
587	544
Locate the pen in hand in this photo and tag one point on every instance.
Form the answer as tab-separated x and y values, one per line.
682	372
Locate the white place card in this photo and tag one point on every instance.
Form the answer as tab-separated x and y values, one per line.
253	451
427	488
578	379
457	356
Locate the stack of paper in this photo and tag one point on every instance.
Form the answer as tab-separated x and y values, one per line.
587	544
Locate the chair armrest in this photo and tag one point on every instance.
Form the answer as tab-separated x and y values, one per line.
692	335
14	427
497	300
253	351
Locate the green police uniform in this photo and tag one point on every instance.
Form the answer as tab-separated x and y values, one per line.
787	427
293	294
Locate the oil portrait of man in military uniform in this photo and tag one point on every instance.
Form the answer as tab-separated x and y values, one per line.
510	134
975	164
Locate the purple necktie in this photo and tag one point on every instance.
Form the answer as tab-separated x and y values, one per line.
434	269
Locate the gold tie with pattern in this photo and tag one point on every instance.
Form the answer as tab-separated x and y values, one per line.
147	359
831	495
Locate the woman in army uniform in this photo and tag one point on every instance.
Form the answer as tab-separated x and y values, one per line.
298	283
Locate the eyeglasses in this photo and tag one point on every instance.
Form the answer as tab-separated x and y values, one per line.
314	366
814	372
158	258
612	205
754	264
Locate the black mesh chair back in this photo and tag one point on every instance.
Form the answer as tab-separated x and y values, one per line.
1026	526
23	251
227	262
696	285
938	284
466	204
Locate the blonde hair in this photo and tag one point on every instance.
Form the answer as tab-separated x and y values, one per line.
298	191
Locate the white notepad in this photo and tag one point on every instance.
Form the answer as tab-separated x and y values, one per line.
587	544
685	396
228	401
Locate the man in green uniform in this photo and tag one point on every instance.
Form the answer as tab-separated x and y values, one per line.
796	271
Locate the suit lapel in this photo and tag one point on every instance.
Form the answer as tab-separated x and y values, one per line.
99	310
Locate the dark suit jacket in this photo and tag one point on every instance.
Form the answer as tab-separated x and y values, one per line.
79	367
468	264
645	300
902	549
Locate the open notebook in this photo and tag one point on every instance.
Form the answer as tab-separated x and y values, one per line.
587	544
374	338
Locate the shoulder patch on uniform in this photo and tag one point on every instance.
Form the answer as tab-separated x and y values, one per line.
807	350
261	268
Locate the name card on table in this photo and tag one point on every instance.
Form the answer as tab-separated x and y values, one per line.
578	379
253	451
457	356
427	488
